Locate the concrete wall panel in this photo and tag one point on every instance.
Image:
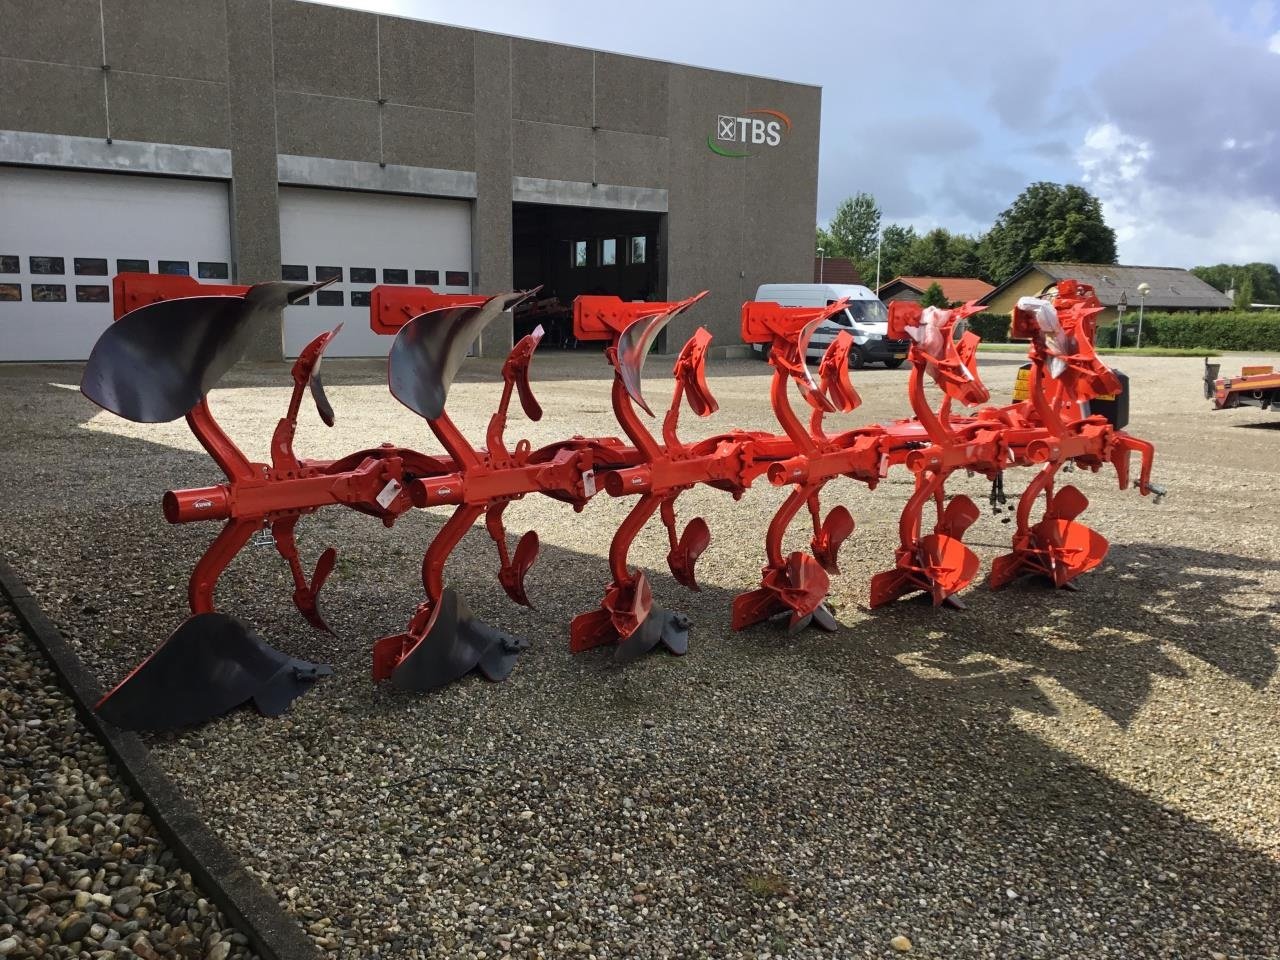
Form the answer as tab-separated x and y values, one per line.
427	65
781	189
51	98
428	138
170	38
551	83
631	159
631	94
705	228
56	31
326	126
169	110
325	50
491	258
550	151
255	214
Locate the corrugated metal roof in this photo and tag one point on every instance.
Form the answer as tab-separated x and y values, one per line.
955	289
1172	288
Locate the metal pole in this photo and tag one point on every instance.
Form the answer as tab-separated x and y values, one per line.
822	263
1142	302
1119	324
879	237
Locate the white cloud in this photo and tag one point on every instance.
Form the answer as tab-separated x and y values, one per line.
1163	225
1274	44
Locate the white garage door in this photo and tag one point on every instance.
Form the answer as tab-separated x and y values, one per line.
63	235
365	239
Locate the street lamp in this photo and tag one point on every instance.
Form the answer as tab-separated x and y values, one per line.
1121	307
1143	290
821	263
879	240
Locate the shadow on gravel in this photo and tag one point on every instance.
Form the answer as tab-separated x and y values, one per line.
825	766
1269	425
1208	604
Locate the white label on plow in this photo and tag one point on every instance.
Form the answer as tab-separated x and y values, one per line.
589	482
388	493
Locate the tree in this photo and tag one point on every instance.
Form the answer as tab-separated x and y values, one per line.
934	297
895	242
1228	276
1048	221
826	243
940	253
1244	295
854	231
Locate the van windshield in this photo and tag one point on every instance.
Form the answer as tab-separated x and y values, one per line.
868	311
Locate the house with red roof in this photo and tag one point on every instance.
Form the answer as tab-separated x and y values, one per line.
955	289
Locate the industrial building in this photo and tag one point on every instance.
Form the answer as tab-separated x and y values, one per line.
242	141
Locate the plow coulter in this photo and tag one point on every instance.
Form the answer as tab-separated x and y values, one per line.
175	338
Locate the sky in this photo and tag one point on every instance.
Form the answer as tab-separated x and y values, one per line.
944	111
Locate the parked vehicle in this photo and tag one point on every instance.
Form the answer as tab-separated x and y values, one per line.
1256	386
866	318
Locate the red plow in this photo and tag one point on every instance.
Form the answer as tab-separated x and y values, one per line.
174	339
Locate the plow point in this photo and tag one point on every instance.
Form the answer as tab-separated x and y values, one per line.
1073	550
453	644
946	566
798	587
211	664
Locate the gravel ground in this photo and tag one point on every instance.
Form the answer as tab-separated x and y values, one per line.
84	875
1047	774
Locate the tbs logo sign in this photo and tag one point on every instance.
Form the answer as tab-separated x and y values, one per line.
747	135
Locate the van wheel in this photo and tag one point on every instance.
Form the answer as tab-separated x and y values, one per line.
857	359
893	364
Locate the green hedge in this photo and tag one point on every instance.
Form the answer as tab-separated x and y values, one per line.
1247	330
991	327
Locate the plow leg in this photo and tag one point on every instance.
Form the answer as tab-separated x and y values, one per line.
939	564
212	663
627	616
795	584
1057	547
445	641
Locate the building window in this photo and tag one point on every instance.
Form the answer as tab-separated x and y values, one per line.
364	275
359	298
457	278
133	266
426	277
395	276
9	264
330	298
328	273
578	253
212	271
10	291
90	267
294	271
638	251
49	293
608	252
93	293
47	265
176	268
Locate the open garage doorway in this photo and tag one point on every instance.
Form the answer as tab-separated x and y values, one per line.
573	250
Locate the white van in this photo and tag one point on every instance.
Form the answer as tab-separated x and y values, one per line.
866	318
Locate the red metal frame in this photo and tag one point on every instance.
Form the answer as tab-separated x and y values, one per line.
1050	430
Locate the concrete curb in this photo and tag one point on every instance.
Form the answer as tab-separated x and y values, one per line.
273	934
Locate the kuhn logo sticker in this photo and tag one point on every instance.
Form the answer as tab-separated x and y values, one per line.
746	136
203	504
